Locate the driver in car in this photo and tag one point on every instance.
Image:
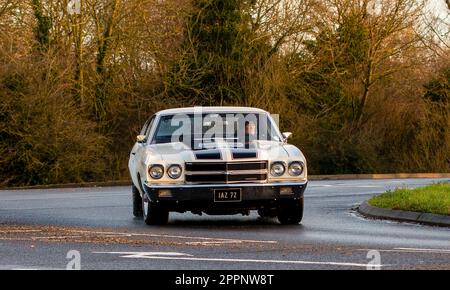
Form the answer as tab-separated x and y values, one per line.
250	133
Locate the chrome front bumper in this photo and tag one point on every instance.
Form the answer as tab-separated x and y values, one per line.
201	196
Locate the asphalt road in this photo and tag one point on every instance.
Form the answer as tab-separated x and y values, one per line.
41	229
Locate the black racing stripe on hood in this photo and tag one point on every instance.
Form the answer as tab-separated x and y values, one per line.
244	153
208	154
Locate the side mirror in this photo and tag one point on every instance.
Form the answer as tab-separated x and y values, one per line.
141	138
286	134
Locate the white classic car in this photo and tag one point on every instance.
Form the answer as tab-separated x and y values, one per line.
216	160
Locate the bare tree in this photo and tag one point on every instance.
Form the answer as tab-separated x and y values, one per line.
78	23
387	34
6	6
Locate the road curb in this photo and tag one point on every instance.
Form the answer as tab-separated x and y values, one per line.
401	215
310	177
378	176
72	185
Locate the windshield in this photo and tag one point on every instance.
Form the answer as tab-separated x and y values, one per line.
202	131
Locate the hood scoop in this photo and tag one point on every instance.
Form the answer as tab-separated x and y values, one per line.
244	153
210	154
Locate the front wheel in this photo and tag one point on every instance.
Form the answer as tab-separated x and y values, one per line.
291	214
153	214
137	202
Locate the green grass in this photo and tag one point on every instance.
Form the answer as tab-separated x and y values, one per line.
434	198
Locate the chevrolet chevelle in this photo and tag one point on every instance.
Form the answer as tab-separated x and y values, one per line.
216	160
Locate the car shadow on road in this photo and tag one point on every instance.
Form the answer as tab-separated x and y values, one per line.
226	222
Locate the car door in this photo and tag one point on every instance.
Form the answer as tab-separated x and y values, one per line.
137	151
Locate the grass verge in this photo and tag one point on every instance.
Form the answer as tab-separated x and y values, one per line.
434	198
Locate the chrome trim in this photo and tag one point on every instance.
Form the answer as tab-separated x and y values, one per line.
175	186
256	181
205	172
215	162
229	172
236	172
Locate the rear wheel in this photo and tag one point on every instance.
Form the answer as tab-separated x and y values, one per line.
153	214
291	214
267	212
137	202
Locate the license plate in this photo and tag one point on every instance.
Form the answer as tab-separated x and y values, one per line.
229	194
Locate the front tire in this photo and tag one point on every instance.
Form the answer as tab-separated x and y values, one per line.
291	214
153	214
137	202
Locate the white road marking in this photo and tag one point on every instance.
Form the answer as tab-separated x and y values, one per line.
60	196
146	254
19	231
345	185
412	250
54	237
214	242
143	255
14	239
423	250
20	267
315	195
178	237
191	240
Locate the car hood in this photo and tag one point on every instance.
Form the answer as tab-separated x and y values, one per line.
257	150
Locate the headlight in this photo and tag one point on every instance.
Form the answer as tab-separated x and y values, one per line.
295	168
174	171
156	171
277	169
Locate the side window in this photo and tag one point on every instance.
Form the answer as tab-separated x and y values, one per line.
144	128
149	126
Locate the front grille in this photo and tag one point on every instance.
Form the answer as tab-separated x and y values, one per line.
226	172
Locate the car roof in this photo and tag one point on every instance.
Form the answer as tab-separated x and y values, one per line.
217	109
